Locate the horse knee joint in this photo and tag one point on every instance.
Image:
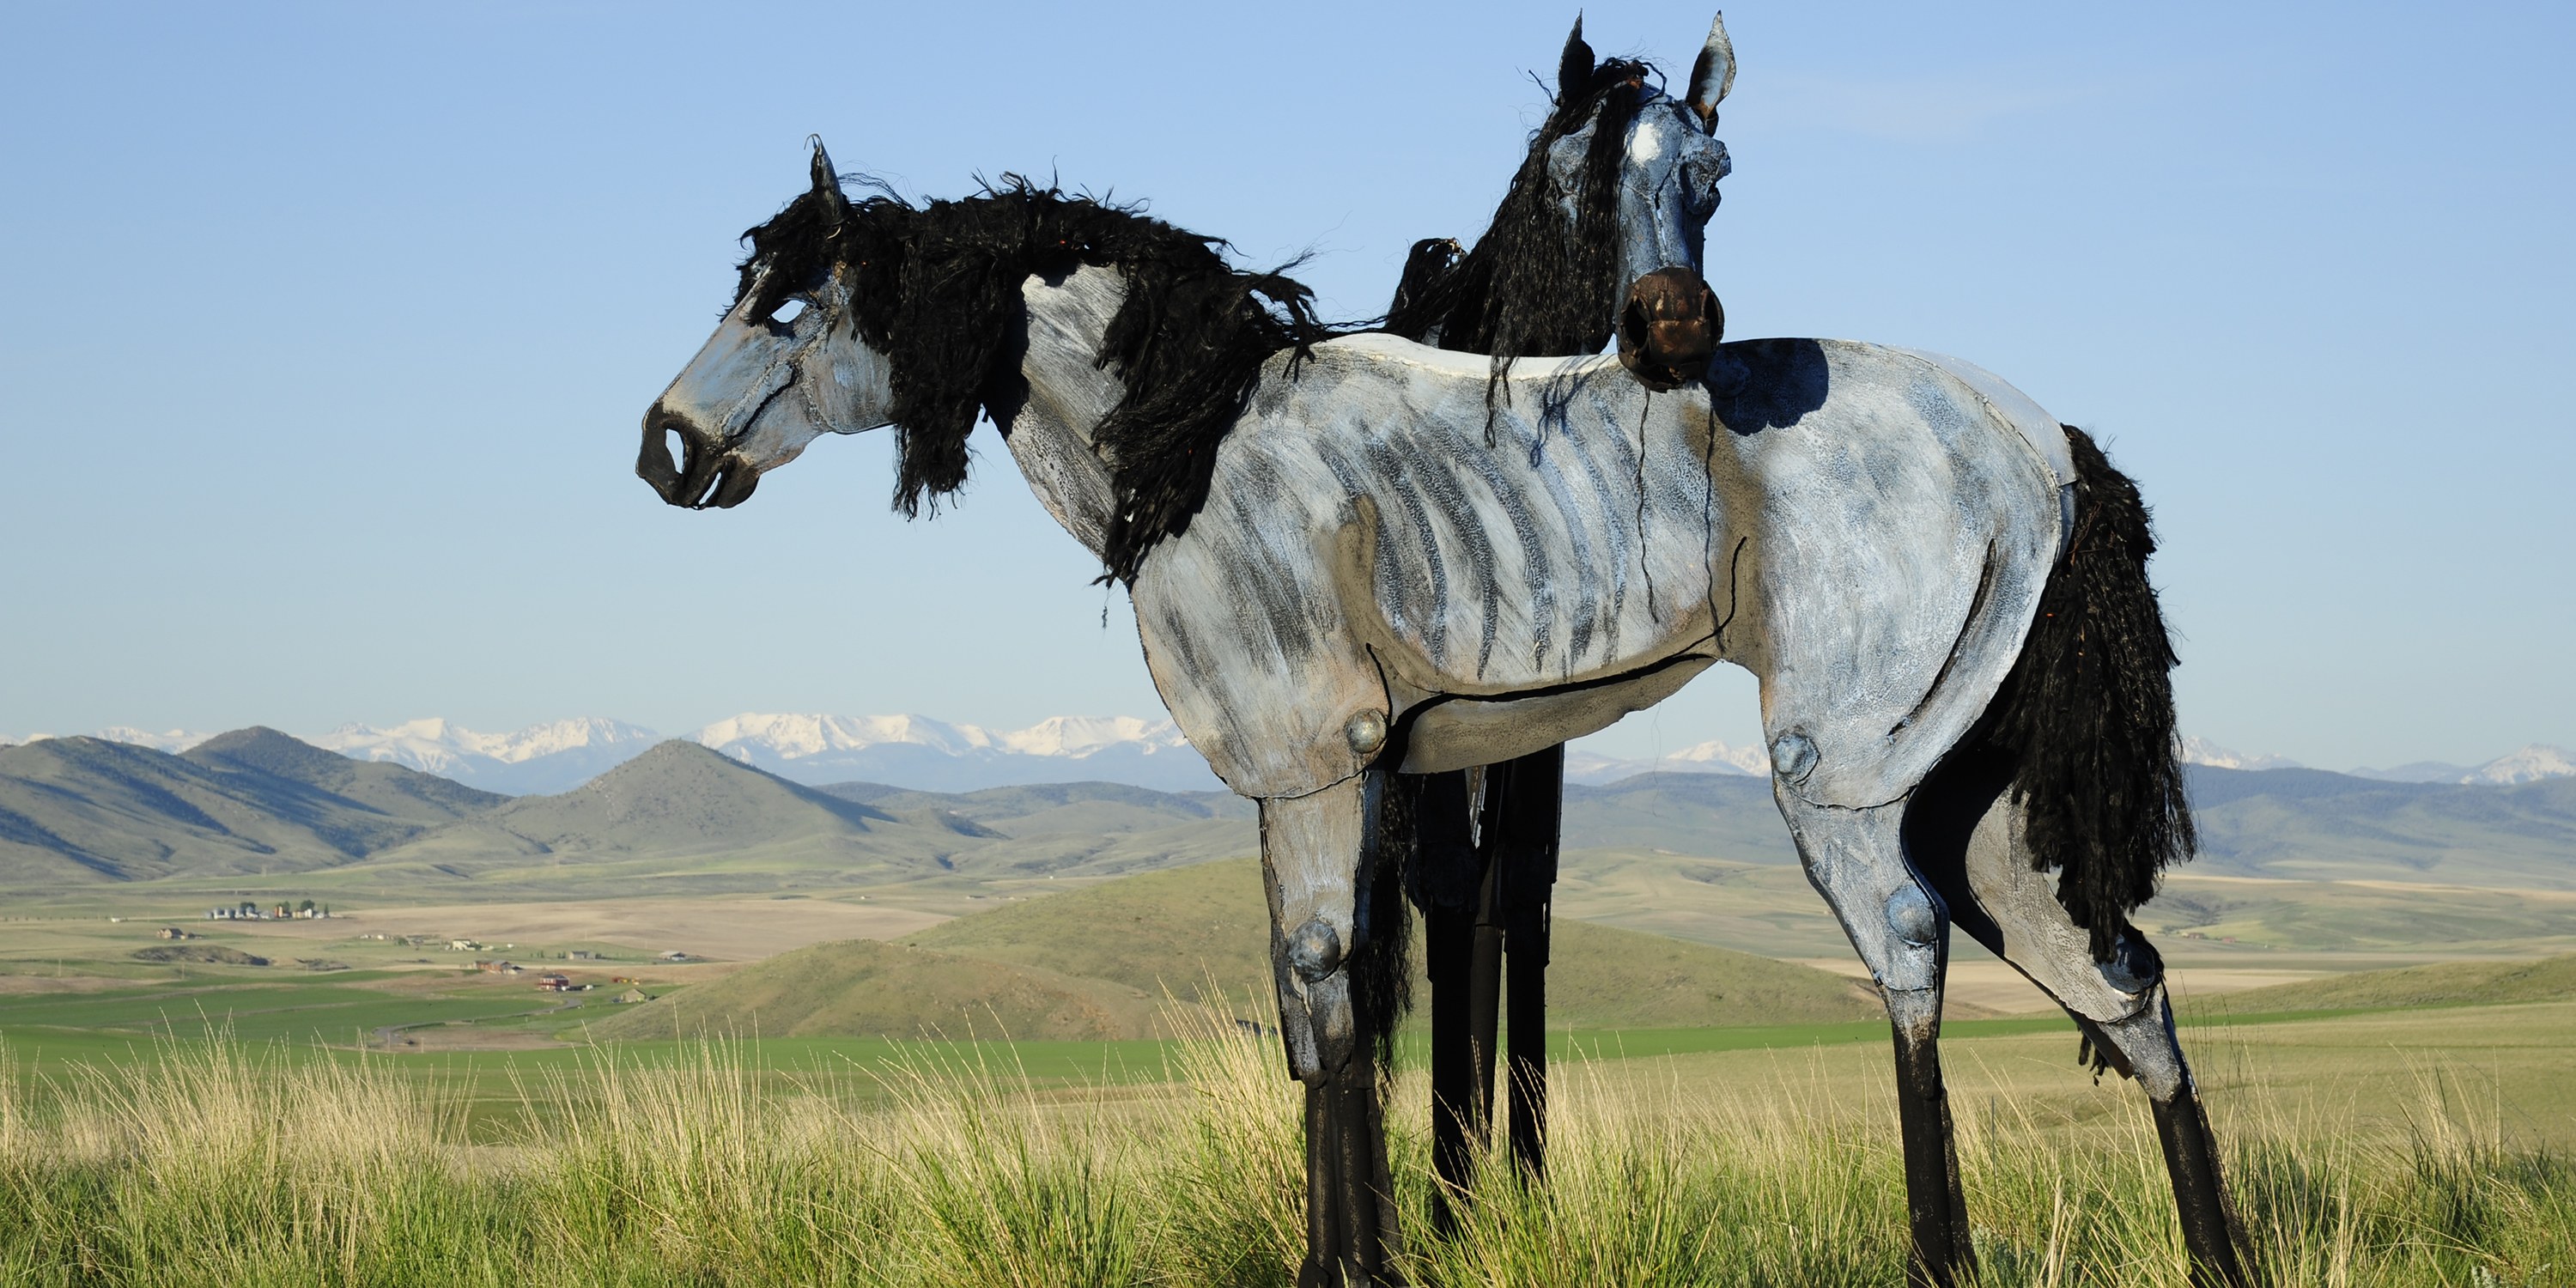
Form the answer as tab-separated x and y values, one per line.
1793	756
1911	915
1315	950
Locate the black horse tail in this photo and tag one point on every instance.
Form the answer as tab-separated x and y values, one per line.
2087	714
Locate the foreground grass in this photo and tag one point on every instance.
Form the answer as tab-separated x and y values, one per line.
224	1163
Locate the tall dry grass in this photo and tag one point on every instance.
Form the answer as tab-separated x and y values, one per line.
217	1164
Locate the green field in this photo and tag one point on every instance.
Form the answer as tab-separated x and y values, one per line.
1101	961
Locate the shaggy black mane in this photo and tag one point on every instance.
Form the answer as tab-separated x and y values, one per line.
936	288
1531	286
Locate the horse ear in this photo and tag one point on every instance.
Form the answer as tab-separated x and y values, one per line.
827	185
1714	74
1574	66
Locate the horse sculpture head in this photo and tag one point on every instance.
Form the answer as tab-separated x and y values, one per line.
784	367
853	315
1601	232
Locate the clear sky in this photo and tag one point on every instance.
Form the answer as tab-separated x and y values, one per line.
326	330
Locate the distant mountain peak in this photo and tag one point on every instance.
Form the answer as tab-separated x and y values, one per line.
2201	751
551	757
265	749
2528	765
1711	757
794	736
173	741
918	752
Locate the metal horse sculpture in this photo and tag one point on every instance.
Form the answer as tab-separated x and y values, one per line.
1598	234
1352	557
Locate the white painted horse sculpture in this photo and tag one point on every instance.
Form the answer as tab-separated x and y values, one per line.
1371	587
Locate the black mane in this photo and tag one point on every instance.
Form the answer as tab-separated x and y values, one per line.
1532	286
936	290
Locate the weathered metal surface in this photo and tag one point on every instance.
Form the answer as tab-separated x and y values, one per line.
1856	859
2040	939
1668	188
1310	854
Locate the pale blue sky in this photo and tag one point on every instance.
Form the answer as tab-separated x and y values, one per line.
326	330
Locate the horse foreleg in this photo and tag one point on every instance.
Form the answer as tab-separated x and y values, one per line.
1323	922
1528	804
1485	991
1447	879
1527	1058
1856	860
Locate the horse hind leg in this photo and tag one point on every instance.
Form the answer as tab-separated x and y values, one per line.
1967	837
1856	859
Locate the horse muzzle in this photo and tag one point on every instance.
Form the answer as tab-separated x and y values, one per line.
687	467
1670	328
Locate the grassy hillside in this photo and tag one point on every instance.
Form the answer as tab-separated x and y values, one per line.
2361	916
864	988
1095	962
80	810
2444	984
2311	824
1721	815
677	818
391	790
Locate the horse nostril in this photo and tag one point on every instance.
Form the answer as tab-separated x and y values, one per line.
674	456
1670	327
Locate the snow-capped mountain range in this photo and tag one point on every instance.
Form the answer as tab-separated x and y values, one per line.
553	757
935	755
1711	757
2201	751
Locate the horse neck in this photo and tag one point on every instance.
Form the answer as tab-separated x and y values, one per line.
1050	432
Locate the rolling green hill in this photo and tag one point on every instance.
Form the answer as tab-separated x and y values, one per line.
84	810
864	988
1098	962
2309	824
2442	984
391	790
677	818
1717	815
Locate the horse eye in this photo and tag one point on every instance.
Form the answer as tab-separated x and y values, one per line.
787	311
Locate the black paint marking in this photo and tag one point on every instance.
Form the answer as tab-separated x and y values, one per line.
1535	566
1734	595
1976	609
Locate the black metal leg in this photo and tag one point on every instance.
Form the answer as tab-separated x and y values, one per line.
1522	823
2209	1228
1936	1206
1521	828
1485	994
1528	1063
1446	937
1350	1212
1447	873
1323	1268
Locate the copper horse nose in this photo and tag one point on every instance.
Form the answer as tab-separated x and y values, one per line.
1670	327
